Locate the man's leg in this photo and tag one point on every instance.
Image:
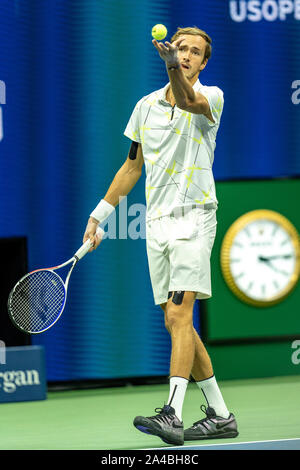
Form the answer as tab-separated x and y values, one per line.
180	322
202	370
179	317
168	424
189	356
203	375
202	366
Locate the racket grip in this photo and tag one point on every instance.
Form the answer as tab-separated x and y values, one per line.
83	250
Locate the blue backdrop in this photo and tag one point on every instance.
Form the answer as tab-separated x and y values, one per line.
70	74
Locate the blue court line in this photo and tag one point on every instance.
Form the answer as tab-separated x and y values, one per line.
280	444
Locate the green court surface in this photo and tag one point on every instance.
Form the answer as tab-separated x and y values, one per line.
101	419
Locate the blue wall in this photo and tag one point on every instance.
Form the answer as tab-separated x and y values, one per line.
73	72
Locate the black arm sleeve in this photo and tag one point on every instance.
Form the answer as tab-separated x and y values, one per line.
133	150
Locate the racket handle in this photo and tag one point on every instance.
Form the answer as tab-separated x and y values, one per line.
83	250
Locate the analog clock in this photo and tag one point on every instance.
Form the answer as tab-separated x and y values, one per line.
260	257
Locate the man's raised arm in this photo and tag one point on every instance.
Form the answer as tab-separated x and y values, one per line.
186	98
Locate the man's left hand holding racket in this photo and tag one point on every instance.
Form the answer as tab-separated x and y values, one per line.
38	299
91	233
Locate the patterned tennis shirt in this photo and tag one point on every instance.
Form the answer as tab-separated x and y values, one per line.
178	149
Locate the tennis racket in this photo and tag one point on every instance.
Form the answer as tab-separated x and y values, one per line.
39	298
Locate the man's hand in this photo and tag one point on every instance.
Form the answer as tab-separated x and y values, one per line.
168	51
91	233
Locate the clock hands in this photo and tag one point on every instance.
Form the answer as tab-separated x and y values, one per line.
268	261
269	258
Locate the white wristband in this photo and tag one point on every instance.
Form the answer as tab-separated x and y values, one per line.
102	211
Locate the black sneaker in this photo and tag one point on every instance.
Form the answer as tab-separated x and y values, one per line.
165	425
211	427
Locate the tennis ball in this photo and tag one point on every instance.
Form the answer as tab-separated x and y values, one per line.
159	32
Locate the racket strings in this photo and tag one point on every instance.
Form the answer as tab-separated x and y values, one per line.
37	301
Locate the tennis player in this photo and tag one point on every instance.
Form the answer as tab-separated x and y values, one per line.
173	131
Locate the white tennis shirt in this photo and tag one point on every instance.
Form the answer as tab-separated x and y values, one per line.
178	149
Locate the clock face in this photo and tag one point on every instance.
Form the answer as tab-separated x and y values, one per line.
260	257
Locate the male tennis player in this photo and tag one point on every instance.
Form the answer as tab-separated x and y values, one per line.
173	130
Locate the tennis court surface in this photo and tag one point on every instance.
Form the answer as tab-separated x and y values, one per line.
267	411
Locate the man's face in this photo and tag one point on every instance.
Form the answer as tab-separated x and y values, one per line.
191	53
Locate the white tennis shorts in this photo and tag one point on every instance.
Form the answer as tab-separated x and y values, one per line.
179	248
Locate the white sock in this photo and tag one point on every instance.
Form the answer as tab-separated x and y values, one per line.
178	386
213	396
